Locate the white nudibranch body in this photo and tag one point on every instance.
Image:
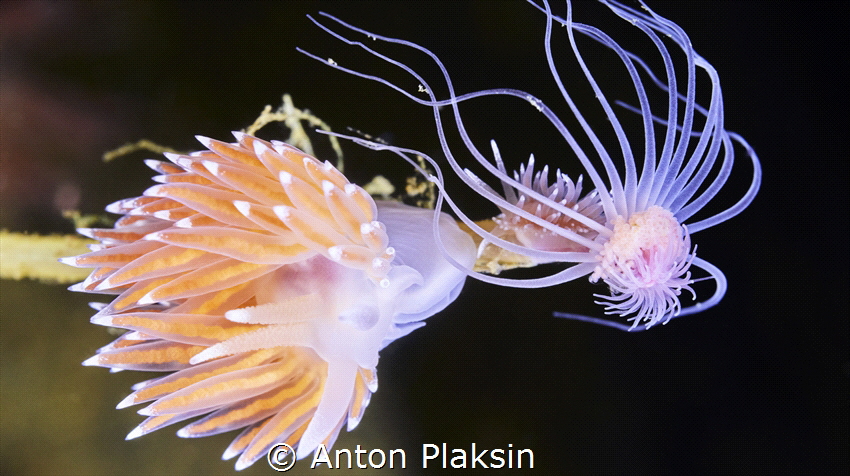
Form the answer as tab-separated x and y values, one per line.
268	284
632	231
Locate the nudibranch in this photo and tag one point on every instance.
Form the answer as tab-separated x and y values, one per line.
267	284
633	229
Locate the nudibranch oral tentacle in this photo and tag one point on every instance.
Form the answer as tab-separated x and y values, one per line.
268	284
632	230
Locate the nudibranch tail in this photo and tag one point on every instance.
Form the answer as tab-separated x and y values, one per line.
563	192
678	171
267	284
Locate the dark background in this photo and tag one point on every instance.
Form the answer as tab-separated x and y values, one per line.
758	384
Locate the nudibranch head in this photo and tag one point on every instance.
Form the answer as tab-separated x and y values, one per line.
632	230
267	283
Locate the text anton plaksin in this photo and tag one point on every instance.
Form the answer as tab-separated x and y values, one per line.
437	456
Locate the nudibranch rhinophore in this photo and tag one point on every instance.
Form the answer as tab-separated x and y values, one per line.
267	284
633	229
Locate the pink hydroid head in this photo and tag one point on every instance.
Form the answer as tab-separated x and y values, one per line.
682	160
267	284
645	263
